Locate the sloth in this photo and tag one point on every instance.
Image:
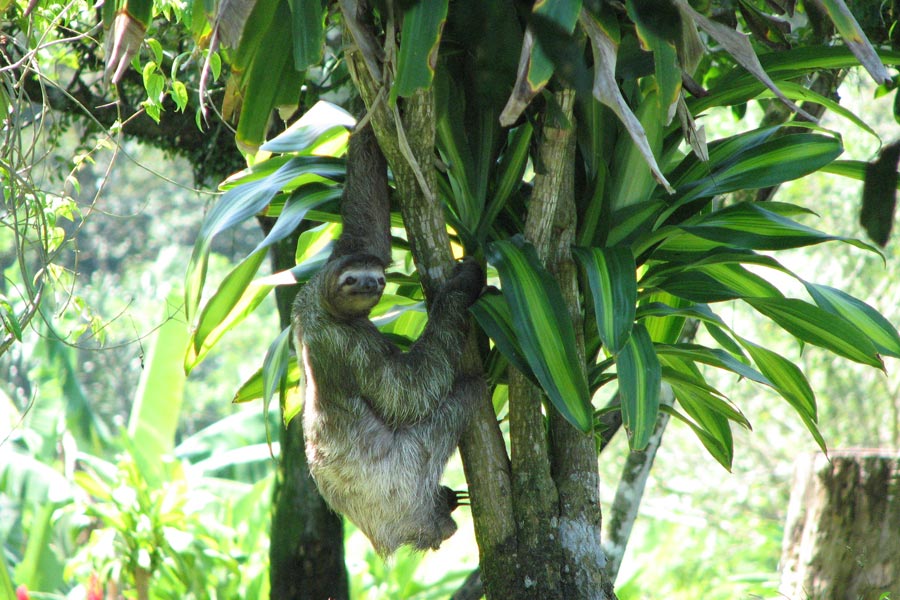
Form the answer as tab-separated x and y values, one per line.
380	423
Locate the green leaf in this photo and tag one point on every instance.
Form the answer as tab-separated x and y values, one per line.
819	327
790	382
275	367
663	321
253	387
264	79
751	160
242	202
308	28
509	175
715	283
39	568
611	276
787	379
157	401
703	404
865	318
712	444
321	124
420	39
6	586
753	226
639	374
535	65
544	329
604	48
495	318
715	357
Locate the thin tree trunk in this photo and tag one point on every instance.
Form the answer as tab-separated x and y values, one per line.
551	226
841	537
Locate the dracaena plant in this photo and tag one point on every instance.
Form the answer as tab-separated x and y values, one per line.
609	220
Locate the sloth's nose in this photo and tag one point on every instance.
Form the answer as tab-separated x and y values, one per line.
368	284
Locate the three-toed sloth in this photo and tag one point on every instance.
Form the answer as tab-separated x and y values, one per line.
380	423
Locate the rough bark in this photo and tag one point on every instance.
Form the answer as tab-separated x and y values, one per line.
840	540
550	226
406	135
306	553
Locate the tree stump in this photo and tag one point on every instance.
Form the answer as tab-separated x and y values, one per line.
842	532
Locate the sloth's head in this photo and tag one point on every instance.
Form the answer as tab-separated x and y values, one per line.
354	285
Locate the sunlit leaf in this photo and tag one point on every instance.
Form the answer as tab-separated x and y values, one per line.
819	327
543	328
865	318
611	276
494	316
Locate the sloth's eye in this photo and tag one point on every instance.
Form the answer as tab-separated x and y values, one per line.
381	281
350	281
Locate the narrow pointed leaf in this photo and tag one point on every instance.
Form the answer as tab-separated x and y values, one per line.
751	160
855	39
752	226
739	47
535	66
865	318
308	29
788	380
715	357
239	204
274	369
494	316
611	276
231	292
639	379
713	445
322	123
543	328
254	389
606	90
419	42
819	327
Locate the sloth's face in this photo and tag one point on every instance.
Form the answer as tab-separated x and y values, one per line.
356	289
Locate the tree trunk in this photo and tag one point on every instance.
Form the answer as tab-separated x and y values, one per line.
841	537
306	555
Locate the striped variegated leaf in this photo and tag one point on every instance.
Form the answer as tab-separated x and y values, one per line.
639	380
611	276
819	327
254	389
493	315
543	328
790	382
713	444
866	319
788	379
419	42
274	369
